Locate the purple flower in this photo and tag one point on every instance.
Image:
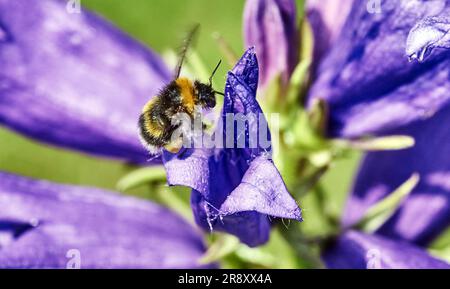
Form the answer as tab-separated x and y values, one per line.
83	87
371	88
326	18
330	15
46	225
426	212
74	80
357	250
271	27
235	190
366	78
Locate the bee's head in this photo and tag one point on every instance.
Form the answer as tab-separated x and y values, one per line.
206	96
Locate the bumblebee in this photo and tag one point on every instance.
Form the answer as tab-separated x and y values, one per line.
181	95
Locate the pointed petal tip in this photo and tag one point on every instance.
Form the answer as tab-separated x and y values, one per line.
262	190
247	70
298	215
250	50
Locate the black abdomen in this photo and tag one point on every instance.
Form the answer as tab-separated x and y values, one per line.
155	123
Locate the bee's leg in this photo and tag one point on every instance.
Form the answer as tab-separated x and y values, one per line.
174	146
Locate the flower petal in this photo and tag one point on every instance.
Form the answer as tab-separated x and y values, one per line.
213	175
367	80
271	26
427	34
327	18
74	80
251	227
355	250
262	190
41	223
426	212
234	188
332	15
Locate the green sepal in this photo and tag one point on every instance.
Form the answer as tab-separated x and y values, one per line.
140	177
380	212
297	84
175	198
222	246
395	142
318	116
276	254
440	247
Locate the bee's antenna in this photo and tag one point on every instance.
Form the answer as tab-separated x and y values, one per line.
214	72
184	49
218	92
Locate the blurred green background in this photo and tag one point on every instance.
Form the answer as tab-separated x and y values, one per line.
160	24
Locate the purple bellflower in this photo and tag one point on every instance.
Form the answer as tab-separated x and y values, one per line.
366	79
85	83
356	250
83	88
326	18
46	225
74	80
235	189
426	212
271	27
372	88
359	58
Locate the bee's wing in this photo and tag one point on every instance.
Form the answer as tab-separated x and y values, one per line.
184	49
